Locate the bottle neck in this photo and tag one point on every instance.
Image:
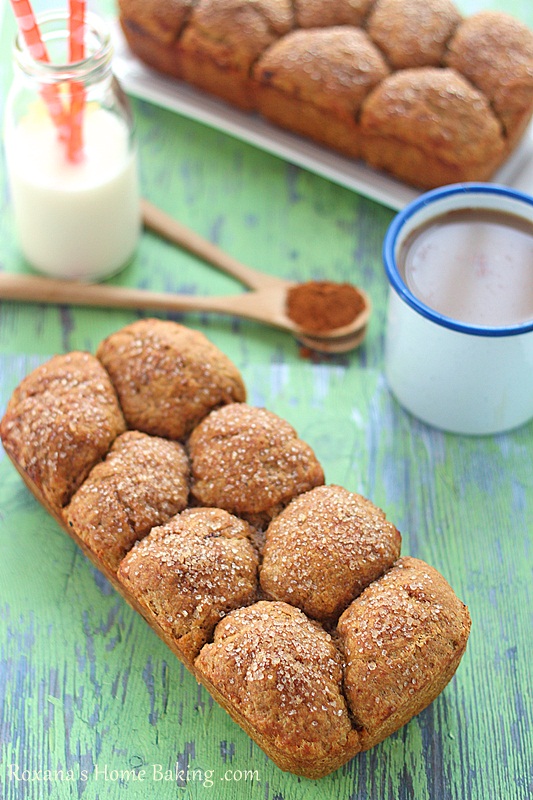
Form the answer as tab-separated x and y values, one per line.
93	68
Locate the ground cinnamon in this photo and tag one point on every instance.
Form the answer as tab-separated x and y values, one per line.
319	306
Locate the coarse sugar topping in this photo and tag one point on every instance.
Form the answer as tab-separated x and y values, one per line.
324	548
248	460
143	481
192	571
403	630
167	376
60	421
283	672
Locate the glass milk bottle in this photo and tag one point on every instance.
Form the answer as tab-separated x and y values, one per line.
71	156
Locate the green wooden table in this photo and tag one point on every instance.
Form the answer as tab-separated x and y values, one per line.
85	685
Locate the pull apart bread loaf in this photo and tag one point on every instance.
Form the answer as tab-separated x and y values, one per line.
285	597
409	86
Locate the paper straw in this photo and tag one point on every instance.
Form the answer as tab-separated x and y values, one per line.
77	92
29	30
77	29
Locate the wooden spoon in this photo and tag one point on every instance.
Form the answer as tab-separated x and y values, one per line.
337	340
266	303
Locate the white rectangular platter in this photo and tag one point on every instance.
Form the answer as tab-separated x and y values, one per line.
140	81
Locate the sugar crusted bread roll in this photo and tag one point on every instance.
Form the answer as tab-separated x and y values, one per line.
489	38
311	692
143	481
313	67
414	114
280	676
167	376
60	421
336	543
192	571
403	638
411	33
250	462
314	82
222	41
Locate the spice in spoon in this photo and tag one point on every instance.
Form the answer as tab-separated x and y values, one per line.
319	306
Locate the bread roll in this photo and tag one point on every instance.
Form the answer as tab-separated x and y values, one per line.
403	638
143	481
495	52
314	82
410	119
280	676
223	40
167	376
192	571
411	33
336	543
60	421
250	462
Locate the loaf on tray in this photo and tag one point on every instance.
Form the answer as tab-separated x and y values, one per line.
409	86
285	597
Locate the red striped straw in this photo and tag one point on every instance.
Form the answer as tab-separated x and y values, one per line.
32	37
77	91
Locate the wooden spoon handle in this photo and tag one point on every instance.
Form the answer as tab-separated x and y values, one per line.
266	306
177	233
30	288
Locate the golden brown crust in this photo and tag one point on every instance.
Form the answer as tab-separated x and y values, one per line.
250	462
163	21
309	698
223	40
283	674
286	59
192	571
142	483
147	26
432	126
336	543
413	33
167	376
495	52
324	75
403	638
333	69
311	121
60	421
318	14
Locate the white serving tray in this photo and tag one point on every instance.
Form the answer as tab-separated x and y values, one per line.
140	81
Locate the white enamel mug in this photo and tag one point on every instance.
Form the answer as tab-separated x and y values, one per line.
456	376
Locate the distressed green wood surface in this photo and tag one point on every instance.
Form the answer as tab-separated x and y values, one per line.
86	686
